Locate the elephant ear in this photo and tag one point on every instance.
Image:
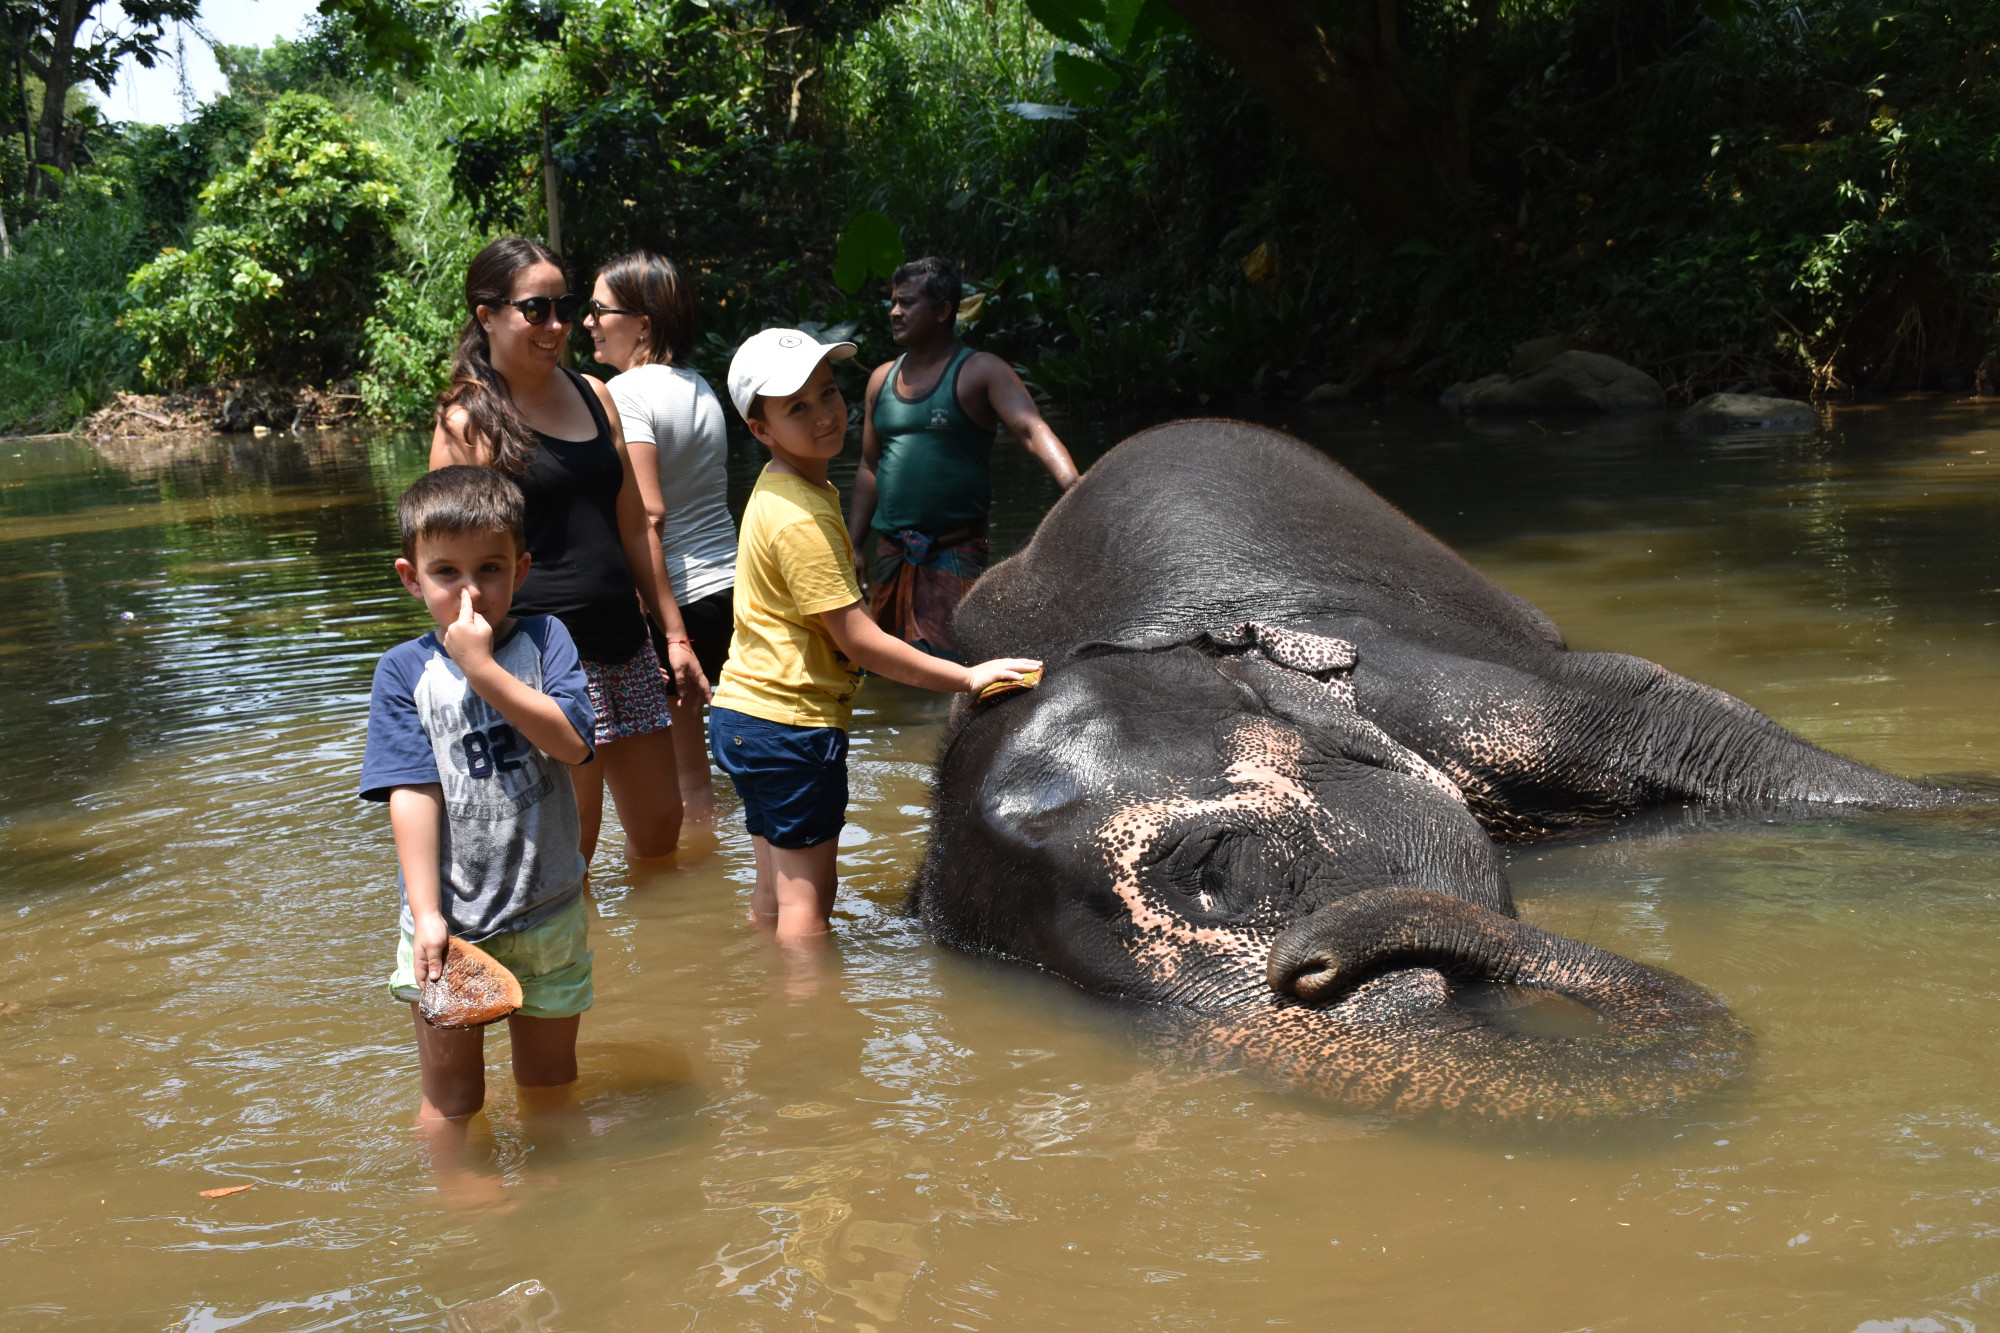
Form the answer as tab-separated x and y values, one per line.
1328	660
1325	706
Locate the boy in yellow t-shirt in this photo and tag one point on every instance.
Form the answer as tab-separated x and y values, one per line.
778	722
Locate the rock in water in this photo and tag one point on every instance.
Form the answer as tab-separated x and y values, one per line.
1720	413
1565	382
475	990
1535	353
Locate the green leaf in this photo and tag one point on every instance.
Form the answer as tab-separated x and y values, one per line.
1120	17
387	38
870	245
1068	19
1082	80
1154	20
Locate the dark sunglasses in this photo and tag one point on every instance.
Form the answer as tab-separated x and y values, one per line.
535	309
594	307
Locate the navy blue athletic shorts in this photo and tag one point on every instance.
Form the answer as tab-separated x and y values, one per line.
793	780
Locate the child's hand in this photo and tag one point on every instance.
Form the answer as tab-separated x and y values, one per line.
469	639
431	934
1000	668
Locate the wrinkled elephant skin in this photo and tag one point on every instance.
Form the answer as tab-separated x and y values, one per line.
1261	783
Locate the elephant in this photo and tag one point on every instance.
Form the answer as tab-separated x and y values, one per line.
1262	786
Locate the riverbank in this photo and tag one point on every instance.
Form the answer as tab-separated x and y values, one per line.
227	408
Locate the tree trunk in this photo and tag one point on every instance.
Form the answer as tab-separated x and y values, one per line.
549	192
1344	93
51	144
27	118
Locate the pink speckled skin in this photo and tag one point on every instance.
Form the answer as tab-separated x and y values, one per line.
1260	786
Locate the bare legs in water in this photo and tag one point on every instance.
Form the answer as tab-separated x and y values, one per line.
793	902
453	1064
645	783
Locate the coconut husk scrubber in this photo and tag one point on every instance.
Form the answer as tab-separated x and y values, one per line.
475	989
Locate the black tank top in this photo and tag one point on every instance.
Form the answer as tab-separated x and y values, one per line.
577	571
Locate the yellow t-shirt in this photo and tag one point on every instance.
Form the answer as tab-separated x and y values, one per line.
793	561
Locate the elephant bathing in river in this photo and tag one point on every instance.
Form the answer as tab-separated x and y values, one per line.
1260	784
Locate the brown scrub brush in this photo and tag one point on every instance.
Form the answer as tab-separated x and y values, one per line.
1001	688
475	989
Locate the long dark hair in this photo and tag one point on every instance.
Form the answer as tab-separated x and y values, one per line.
656	287
490	415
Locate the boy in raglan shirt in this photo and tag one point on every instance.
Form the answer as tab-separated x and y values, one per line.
470	728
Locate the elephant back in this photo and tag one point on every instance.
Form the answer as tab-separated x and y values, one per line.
1200	523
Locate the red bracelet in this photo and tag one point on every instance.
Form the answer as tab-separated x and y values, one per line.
688	642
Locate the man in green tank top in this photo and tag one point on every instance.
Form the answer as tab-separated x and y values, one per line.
923	490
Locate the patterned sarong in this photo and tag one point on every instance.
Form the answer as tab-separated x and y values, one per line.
919	581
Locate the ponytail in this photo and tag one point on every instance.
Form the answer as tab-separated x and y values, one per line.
490	415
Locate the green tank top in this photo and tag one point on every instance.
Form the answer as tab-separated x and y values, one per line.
935	473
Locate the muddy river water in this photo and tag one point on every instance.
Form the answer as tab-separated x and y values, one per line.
198	915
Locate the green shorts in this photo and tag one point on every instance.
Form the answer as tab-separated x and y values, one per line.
552	962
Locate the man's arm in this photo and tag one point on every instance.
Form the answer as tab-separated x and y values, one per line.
994	390
868	645
539	719
416	813
861	509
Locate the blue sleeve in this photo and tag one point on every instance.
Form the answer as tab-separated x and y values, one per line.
398	753
563	680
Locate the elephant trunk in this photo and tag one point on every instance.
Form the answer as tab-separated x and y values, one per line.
1361	1011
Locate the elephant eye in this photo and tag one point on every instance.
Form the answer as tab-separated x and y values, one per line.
1198	868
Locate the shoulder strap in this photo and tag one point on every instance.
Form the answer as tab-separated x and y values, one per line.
950	378
951	371
590	401
888	383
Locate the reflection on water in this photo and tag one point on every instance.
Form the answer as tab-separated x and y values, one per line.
201	915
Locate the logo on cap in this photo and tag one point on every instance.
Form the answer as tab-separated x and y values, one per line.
790	340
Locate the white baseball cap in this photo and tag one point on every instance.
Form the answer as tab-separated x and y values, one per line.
778	362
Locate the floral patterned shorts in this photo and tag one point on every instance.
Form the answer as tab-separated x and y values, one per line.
629	697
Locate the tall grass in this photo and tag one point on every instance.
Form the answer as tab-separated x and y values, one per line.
414	328
439	235
930	142
61	350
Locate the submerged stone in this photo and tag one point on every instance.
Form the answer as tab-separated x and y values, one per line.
1565	382
1720	413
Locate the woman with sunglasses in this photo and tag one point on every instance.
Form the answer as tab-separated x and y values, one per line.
513	406
642	319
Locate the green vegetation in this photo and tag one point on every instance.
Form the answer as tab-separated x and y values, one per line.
287	257
1168	204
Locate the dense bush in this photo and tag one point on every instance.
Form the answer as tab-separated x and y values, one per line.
289	263
1110	236
1731	193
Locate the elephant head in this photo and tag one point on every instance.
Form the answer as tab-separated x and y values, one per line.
1208	822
